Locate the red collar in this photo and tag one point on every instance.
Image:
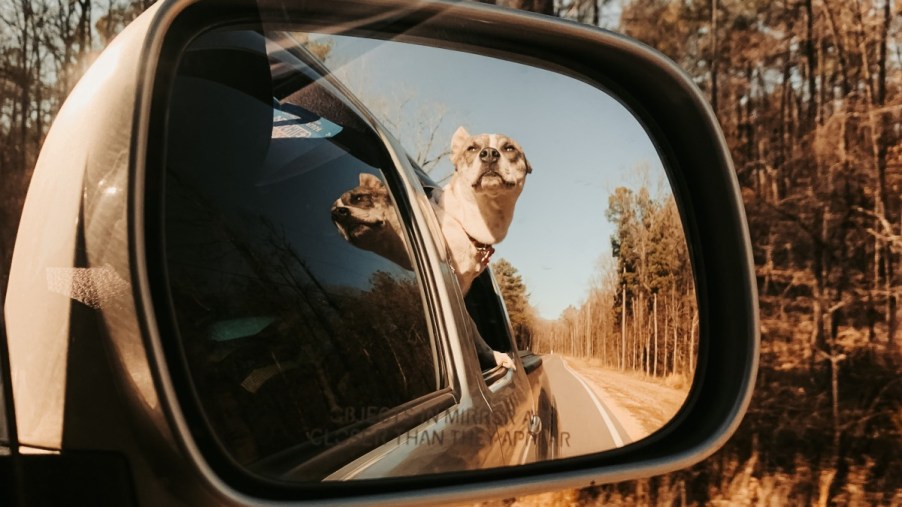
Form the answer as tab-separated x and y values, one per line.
483	251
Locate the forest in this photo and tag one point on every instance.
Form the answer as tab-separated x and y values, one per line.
809	96
639	313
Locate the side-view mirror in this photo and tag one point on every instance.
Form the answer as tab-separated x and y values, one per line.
371	251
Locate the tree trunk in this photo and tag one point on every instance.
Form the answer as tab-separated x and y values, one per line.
588	338
882	128
641	330
623	330
668	316
840	44
714	55
811	58
655	306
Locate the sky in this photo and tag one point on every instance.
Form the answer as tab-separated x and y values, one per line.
581	143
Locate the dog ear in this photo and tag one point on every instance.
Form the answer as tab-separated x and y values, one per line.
458	143
370	181
528	166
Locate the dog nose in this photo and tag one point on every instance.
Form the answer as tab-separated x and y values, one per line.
340	211
489	155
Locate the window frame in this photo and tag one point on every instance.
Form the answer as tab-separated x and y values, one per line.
8	440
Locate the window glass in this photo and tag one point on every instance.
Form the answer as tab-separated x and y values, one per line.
484	306
300	317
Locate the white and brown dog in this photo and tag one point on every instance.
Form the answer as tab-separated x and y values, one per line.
476	207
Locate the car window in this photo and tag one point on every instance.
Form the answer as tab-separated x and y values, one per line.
484	304
485	307
301	318
488	320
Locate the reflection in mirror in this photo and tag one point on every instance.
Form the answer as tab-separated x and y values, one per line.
365	217
594	272
308	317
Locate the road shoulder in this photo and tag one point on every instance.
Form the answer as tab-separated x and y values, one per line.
641	405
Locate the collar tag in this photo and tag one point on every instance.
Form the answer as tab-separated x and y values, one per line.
483	251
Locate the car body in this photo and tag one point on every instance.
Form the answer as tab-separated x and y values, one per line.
159	288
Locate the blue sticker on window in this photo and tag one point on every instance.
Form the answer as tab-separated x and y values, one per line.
293	122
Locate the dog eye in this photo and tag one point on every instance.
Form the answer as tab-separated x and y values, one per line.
508	148
472	148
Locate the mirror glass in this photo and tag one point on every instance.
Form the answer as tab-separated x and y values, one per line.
303	172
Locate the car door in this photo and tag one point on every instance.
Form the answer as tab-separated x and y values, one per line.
507	391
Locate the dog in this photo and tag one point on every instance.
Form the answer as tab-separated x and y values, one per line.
476	207
474	210
366	218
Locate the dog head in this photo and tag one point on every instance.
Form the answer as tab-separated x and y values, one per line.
490	163
366	218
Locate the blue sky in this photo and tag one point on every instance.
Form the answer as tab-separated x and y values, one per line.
581	143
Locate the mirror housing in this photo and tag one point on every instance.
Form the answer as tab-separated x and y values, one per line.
104	179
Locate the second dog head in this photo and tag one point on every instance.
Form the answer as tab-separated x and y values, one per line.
366	218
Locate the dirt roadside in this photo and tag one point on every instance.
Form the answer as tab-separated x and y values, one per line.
641	404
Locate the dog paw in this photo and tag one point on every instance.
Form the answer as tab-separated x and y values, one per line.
502	359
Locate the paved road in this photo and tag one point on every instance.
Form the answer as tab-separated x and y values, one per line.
584	422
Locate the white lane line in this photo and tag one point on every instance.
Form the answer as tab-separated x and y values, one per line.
618	441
